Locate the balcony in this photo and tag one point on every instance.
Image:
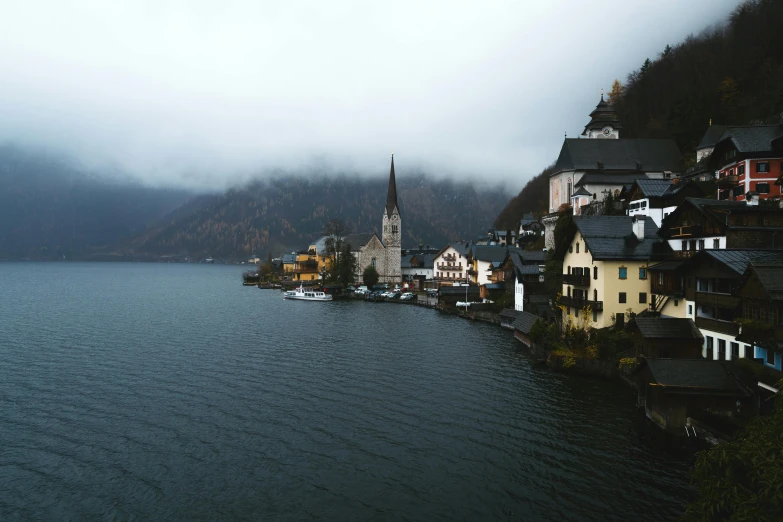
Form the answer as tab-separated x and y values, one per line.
576	280
728	181
576	302
449	257
671	290
716	325
450	268
685	231
472	272
719	300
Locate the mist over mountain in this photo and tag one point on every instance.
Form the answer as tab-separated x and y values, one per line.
52	209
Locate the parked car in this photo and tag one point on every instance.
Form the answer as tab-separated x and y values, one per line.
433	293
394	295
407	296
359	291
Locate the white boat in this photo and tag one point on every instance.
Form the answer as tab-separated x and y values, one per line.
306	293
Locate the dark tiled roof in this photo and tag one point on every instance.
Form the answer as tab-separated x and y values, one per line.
495	286
289	258
510	313
674	328
692	373
524	322
738	260
405	261
391	196
459	290
667	265
594	178
357	241
654	188
752	138
533	256
527	269
612	237
491	253
426	260
771	278
711	137
538	299
582	192
620	154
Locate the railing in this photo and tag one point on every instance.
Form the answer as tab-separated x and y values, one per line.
453	268
449	257
727	181
717	325
716	299
673	290
576	302
576	279
685	231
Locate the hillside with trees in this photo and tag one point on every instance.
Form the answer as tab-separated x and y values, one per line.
728	74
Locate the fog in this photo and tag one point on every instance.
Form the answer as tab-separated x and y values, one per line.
205	94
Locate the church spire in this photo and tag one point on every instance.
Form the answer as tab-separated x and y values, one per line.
391	198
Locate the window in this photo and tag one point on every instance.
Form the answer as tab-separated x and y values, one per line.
623	272
569	270
721	349
570	249
595	315
762	166
595	295
395	229
595	272
690	309
709	355
569	291
577	247
373	262
660	278
701	244
716	244
676	302
734	351
621	297
642	272
684	245
762	188
587	251
741	170
642	297
770	356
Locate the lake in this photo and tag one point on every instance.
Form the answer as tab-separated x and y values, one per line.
164	391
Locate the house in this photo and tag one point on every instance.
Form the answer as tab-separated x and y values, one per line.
708	141
605	263
667	338
748	159
417	268
289	262
658	198
602	167
483	260
672	391
709	282
667	287
702	224
451	263
507	318
524	273
522	326
760	316
305	266
529	229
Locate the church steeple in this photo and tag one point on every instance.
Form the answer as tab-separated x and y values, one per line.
391	197
604	122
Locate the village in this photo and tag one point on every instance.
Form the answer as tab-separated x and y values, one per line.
669	279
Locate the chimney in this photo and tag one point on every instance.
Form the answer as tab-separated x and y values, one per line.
638	227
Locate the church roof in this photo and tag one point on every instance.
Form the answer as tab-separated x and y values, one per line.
357	241
640	155
603	115
391	197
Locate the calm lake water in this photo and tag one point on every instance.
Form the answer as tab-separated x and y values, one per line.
152	392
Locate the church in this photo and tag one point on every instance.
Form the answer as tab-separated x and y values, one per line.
600	163
384	253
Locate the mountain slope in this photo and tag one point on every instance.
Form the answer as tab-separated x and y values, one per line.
285	214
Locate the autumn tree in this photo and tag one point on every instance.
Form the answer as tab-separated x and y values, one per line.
616	93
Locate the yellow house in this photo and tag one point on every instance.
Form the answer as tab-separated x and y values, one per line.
306	266
605	267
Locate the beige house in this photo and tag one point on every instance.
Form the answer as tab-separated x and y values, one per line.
605	267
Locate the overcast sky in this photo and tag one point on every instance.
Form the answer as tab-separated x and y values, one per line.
205	93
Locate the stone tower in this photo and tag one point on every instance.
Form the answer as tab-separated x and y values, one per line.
392	233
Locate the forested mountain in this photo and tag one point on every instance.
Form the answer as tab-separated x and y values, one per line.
729	74
286	214
50	208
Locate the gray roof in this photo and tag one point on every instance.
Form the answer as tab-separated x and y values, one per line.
595	178
582	192
527	269
510	312
619	154
426	260
712	136
668	265
289	258
670	328
752	138
405	261
357	241
771	278
738	260
533	256
691	373
524	322
654	188
612	237
491	253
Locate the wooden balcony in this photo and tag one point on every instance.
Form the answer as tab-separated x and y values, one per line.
576	302
756	332
714	299
671	289
685	231
716	325
450	268
576	280
728	181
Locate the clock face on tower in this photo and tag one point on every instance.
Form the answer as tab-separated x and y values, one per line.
607	131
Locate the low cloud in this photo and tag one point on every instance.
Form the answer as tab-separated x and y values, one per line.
207	94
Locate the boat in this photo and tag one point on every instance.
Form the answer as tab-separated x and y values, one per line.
305	293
